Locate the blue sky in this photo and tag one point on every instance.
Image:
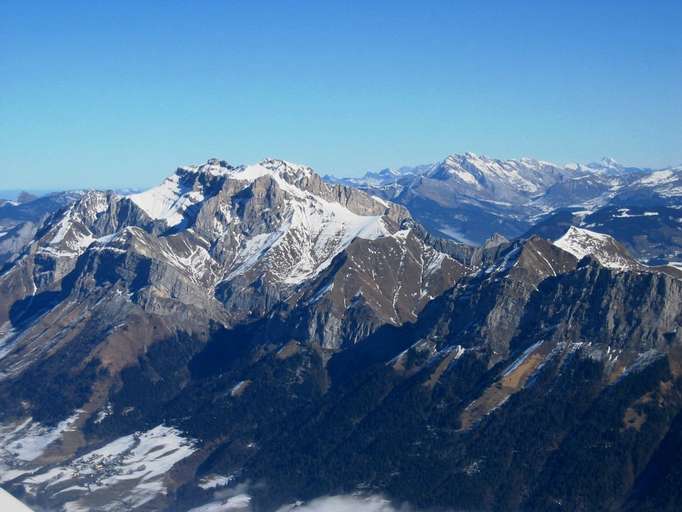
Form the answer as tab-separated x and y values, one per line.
108	94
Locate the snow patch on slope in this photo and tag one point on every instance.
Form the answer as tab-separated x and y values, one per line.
658	178
168	201
215	481
29	440
134	465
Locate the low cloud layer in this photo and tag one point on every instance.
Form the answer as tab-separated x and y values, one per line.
346	503
239	500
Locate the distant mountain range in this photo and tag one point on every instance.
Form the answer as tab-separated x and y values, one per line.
469	198
248	337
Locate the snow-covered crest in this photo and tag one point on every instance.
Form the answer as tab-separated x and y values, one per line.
582	242
477	170
191	185
289	223
313	229
70	235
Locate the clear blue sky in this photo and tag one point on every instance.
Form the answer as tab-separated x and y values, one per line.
99	94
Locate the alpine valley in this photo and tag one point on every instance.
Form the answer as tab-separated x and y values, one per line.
473	334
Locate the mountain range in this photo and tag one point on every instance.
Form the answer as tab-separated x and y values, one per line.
469	198
475	334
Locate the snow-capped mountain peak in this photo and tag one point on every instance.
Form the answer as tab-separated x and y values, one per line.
183	193
582	242
192	184
606	165
217	222
283	167
505	178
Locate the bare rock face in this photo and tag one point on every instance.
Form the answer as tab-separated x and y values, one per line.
387	280
14	240
524	368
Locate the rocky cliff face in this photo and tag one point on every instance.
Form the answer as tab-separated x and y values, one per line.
477	411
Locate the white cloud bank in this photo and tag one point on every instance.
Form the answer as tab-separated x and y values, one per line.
339	503
345	503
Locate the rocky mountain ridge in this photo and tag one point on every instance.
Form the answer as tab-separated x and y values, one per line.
256	334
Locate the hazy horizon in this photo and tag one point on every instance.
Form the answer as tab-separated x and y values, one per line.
108	95
12	193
